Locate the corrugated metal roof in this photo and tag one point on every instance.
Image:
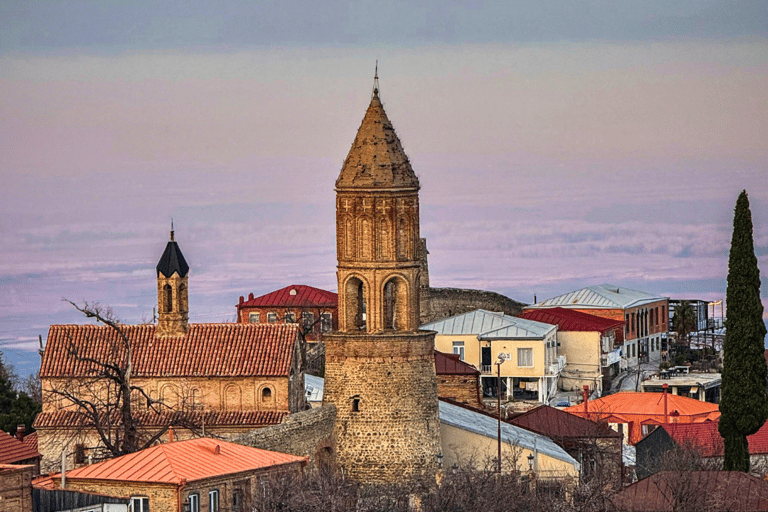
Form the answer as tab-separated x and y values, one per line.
313	387
602	296
707	439
206	349
697	490
190	460
296	295
572	320
487	426
553	422
490	325
649	404
451	364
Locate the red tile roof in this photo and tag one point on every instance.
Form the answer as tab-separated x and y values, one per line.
706	439
13	450
699	490
451	364
226	350
558	424
571	320
296	295
62	419
190	460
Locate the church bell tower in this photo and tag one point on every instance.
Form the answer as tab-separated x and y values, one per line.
380	370
172	292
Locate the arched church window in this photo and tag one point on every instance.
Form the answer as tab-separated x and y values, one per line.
266	394
355	314
366	239
182	297
167	298
349	245
396	304
403	239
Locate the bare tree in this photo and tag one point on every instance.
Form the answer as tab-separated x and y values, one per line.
104	397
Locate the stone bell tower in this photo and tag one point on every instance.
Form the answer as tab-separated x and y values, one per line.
172	292
380	369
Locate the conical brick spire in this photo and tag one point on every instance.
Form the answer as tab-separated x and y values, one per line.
376	159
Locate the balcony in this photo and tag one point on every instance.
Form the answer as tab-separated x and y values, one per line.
557	367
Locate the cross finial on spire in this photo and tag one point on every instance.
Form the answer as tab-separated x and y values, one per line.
376	79
171	229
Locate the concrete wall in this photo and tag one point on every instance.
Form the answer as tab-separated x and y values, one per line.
582	353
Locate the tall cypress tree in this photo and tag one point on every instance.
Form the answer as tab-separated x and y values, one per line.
744	403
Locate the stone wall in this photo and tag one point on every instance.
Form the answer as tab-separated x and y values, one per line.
308	433
461	388
445	302
15	488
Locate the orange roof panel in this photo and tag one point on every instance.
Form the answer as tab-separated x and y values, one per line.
647	404
194	459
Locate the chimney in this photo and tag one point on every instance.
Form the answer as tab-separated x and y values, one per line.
170	434
242	299
250	296
20	432
665	387
586	400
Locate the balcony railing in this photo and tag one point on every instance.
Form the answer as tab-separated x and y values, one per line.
487	369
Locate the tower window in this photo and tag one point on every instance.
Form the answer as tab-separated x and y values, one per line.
167	298
266	394
355	405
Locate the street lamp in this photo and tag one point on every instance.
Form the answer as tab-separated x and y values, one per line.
499	362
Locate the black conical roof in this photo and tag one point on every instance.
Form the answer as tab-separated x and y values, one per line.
172	260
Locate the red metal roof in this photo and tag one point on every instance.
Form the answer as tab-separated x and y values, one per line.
451	364
13	450
647	405
571	320
697	490
227	350
706	439
194	459
296	295
559	424
150	419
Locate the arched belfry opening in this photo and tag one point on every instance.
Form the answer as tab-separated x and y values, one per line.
395	303
355	305
167	299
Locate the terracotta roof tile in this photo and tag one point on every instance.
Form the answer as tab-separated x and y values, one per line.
571	320
304	296
62	419
451	364
190	460
13	450
227	350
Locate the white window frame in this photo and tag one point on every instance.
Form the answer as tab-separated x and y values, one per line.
271	317
194	502
458	348
139	504
214	504
290	317
254	317
307	319
528	351
326	322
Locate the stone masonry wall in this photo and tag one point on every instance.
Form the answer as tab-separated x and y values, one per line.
445	302
307	433
462	388
385	391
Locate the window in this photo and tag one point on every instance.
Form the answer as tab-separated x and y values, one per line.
253	318
194	502
237	500
79	454
290	318
326	322
139	504
355	405
213	501
168	298
458	348
307	319
525	357
266	394
271	317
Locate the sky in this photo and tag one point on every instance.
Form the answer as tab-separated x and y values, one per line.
559	144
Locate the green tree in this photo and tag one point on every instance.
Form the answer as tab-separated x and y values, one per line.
683	322
16	408
744	403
